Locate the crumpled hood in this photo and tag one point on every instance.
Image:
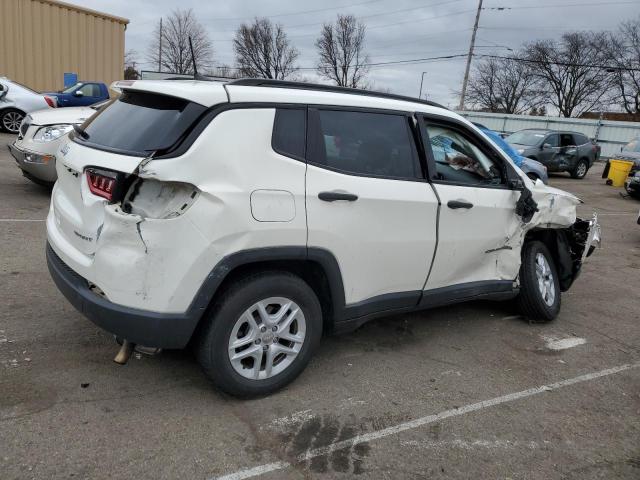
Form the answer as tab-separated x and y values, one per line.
556	208
54	116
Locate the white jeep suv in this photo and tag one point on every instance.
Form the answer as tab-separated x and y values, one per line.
248	218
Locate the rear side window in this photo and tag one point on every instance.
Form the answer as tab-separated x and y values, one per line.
372	144
139	123
580	139
289	127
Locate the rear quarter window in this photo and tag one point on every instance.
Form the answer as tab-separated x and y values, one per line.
139	123
289	127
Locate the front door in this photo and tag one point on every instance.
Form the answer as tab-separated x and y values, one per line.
478	241
369	204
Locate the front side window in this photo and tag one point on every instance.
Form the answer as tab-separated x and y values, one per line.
139	123
460	160
364	143
73	88
553	140
526	137
566	140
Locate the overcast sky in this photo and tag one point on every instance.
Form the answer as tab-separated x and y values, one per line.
396	30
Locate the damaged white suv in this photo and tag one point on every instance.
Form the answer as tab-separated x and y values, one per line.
248	218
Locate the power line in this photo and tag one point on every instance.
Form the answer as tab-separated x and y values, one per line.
547	5
561	64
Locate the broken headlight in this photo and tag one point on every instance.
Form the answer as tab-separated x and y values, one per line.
159	200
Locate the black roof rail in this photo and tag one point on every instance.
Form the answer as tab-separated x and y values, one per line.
264	82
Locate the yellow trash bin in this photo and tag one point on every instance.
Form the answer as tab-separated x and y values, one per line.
619	171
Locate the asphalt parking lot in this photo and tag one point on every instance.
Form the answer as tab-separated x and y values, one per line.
470	391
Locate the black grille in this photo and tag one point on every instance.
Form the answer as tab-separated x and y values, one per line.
24	127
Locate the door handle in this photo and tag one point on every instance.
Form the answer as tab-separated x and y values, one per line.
455	204
333	196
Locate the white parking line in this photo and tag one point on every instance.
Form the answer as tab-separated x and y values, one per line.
21	220
419	422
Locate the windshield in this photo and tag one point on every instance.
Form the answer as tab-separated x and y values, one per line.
526	137
139	123
632	146
73	88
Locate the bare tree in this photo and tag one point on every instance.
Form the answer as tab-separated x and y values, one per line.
571	71
170	45
505	85
130	65
263	50
624	54
341	50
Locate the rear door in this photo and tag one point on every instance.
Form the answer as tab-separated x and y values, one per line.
478	228
369	204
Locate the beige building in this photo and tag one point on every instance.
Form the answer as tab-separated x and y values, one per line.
40	40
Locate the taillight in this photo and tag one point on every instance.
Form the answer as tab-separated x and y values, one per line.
101	182
50	102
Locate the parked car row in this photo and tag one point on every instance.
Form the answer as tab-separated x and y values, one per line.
17	101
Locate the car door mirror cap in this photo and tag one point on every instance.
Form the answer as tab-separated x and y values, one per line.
545	146
78	93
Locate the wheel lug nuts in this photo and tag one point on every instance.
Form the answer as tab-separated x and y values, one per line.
276	339
274	328
258	341
263	329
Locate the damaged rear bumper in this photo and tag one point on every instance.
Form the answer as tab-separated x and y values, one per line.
151	329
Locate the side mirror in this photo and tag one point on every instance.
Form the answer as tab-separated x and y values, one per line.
78	93
516	184
546	146
3	91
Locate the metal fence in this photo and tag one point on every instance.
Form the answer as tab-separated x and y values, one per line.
610	135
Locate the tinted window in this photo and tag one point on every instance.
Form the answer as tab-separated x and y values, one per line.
139	123
289	132
526	137
566	140
580	139
460	160
374	144
553	140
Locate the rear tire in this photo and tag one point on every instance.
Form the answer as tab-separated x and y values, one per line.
11	119
581	169
539	297
272	350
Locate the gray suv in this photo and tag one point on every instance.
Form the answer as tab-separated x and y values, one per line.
559	151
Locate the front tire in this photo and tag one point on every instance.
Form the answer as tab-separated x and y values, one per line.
581	169
539	297
261	334
11	119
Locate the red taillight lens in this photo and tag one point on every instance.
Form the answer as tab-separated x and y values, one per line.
50	102
101	182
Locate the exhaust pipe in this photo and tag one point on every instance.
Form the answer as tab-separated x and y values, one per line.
124	353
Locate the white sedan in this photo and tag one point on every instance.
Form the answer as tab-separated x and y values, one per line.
16	101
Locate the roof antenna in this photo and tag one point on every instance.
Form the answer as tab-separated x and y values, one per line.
196	76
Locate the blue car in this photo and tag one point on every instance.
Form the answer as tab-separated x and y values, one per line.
532	168
81	94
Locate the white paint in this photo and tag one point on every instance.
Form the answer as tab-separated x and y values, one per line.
555	343
472	444
294	418
420	422
21	220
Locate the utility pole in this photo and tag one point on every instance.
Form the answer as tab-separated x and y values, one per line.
466	71
160	48
421	82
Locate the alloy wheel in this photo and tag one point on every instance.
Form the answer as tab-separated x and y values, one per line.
267	338
11	121
544	276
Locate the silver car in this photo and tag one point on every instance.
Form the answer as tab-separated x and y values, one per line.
16	101
41	135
